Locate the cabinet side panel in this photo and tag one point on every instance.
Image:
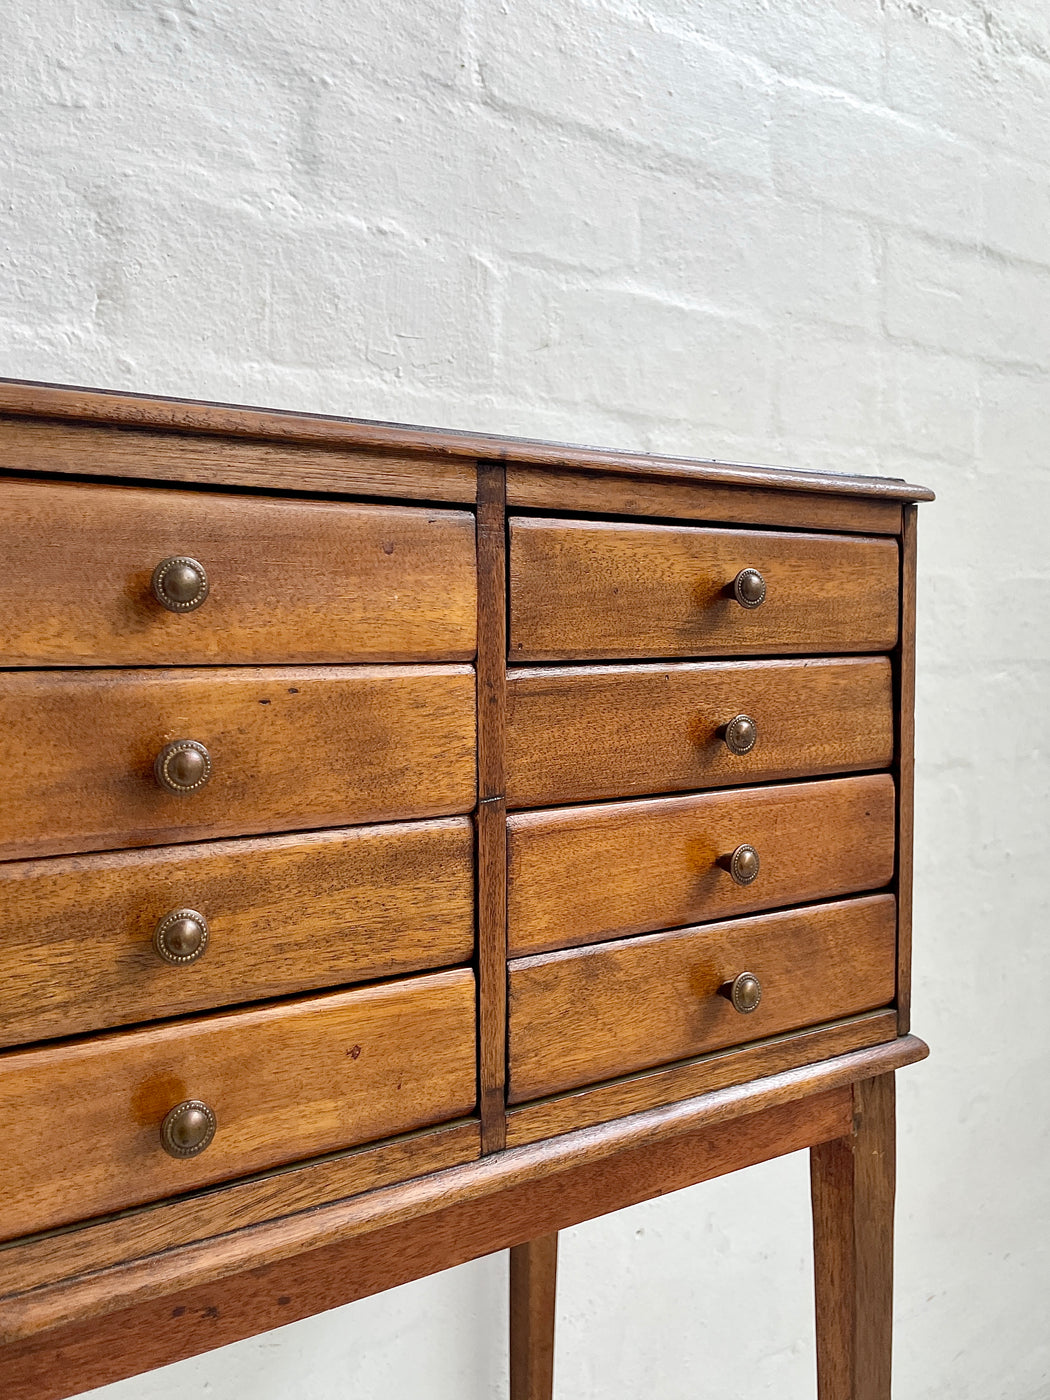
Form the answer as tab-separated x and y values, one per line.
906	768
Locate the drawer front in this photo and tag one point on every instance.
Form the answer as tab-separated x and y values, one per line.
579	733
584	874
285	1083
581	1017
290	749
586	590
305	581
281	913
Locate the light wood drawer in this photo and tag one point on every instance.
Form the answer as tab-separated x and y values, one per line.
588	590
585	732
580	1017
82	1121
289	580
282	914
290	747
585	874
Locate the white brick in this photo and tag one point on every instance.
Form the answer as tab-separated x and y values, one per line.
817	358
967	303
943	71
1017	209
741	248
401	41
142	87
931	404
838	45
624	350
671	92
545	194
875	163
297	292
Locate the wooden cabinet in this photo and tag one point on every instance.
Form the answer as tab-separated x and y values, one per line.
412	844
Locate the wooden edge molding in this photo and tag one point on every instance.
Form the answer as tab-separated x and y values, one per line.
585	1107
576	1176
25	398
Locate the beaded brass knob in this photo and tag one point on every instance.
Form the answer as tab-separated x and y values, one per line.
180	583
182	766
740	734
181	936
743	864
187	1129
749	588
745	992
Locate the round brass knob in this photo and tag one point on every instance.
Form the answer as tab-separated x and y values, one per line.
187	1129
745	992
749	588
181	936
182	766
180	583
743	864
740	734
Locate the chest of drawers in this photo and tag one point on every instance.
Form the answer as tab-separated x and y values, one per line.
414	843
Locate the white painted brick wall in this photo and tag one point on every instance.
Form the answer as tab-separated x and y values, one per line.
777	230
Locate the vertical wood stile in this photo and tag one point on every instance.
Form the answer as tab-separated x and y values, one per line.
906	767
492	806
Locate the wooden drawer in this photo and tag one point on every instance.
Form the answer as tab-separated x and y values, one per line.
287	1082
585	874
291	748
588	590
289	580
612	731
580	1017
283	914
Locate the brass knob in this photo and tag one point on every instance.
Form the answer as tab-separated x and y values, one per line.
743	864
749	588
179	583
182	766
181	936
740	734
187	1129
745	992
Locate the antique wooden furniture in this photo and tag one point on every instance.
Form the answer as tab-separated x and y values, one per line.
336	950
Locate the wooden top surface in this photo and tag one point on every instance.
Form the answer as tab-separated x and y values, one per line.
28	399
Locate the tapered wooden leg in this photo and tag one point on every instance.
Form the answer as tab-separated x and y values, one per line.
853	1180
533	1282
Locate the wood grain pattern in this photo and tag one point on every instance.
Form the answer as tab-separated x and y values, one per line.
492	809
583	1108
905	773
217	458
27	398
853	1186
582	1016
59	1257
476	1195
575	733
290	580
593	590
291	748
601	493
585	874
285	1082
285	914
533	1293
